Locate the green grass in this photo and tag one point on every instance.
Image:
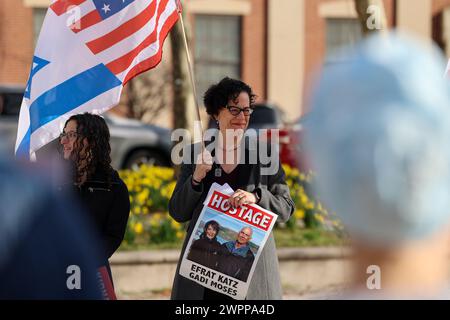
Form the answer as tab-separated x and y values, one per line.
307	238
283	238
153	246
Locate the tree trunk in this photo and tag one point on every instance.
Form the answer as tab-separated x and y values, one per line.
372	16
131	99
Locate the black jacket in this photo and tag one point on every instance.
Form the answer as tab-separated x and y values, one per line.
107	205
206	252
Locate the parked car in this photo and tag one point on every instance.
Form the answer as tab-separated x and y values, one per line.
132	142
10	101
266	116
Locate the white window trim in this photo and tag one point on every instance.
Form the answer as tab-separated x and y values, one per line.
37	3
338	9
219	7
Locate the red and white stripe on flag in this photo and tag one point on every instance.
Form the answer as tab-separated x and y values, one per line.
126	35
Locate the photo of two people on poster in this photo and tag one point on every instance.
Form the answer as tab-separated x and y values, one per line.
233	258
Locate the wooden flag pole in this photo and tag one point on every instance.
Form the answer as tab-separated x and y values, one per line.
191	70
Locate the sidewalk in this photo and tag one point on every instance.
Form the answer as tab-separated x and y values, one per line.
305	272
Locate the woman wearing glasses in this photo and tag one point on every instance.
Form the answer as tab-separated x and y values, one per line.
85	144
229	103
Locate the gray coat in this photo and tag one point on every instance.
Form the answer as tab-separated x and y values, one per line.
186	205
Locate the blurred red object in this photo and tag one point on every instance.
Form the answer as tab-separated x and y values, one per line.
291	150
105	284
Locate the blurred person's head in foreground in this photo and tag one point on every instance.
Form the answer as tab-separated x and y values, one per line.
47	251
379	142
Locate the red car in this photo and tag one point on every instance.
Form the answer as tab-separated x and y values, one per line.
269	116
291	151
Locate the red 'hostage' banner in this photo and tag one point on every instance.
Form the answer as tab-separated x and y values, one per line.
250	215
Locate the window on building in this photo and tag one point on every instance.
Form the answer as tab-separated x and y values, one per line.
440	30
217	49
38	19
340	33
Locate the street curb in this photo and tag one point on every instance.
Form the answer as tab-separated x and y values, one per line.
284	254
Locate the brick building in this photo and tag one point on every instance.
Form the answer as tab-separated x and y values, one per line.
16	41
275	45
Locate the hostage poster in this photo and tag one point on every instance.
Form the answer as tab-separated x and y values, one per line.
226	244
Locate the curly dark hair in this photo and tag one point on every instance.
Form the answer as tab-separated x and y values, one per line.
218	95
97	155
212	223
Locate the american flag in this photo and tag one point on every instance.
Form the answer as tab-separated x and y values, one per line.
127	41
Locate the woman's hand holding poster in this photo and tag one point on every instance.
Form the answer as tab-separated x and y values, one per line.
226	243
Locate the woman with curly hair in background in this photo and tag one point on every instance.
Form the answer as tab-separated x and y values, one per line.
85	143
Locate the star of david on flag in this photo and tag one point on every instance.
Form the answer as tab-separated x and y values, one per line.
86	52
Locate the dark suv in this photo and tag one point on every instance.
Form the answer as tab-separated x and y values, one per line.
10	101
132	142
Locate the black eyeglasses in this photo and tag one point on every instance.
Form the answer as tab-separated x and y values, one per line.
235	111
71	135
